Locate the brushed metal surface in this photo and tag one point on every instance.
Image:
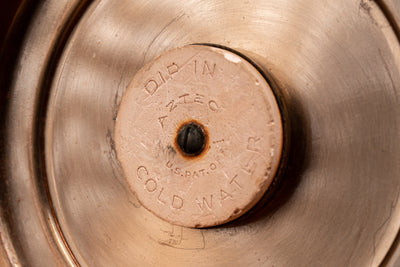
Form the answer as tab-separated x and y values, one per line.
335	65
29	231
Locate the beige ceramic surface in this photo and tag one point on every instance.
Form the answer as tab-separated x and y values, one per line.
241	119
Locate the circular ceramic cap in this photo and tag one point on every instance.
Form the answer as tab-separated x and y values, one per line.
232	104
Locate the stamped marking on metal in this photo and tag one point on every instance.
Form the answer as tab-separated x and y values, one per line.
231	102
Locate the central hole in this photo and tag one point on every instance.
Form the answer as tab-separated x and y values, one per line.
191	139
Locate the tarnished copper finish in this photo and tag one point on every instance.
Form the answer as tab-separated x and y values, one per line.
334	65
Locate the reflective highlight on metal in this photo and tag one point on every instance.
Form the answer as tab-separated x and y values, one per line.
335	66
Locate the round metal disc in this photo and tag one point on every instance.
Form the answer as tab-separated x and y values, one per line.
334	67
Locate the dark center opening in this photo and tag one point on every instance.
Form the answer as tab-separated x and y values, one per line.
191	139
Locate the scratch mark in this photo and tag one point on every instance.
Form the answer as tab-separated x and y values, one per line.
162	30
176	240
117	100
392	207
389	74
367	9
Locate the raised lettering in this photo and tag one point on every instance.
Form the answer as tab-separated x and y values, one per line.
213	105
161	120
177	171
252	144
199	99
150	185
213	166
234	181
173	68
207	69
169	164
151	87
225	195
250	165
205	203
140	170
171	105
161	77
159	196
177	202
184	98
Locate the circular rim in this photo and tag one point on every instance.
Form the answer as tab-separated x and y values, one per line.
7	208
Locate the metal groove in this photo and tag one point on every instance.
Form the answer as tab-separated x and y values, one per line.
41	108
